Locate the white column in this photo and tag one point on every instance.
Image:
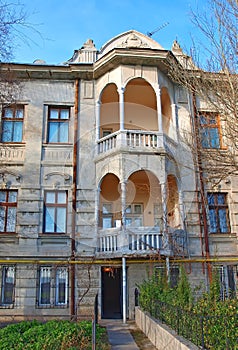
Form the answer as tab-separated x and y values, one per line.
175	121
98	109
164	205
123	203
159	109
124	289
121	107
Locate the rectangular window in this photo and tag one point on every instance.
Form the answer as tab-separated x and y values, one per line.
12	124
55	212
8	285
53	286
8	207
210	130
218	213
227	281
134	215
58	124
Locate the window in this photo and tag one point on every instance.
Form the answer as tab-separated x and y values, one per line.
107	215
134	216
7	285
158	216
106	132
210	130
53	286
55	212
12	124
58	124
226	276
8	207
218	213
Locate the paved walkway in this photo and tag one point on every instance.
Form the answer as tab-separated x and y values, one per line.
119	335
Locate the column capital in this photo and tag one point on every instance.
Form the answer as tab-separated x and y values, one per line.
121	90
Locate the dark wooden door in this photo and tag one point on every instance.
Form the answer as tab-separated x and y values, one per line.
111	293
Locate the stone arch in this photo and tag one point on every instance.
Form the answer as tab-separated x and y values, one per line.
109	201
140	105
109	110
166	110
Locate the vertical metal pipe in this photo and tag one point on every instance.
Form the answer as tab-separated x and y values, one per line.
72	276
124	289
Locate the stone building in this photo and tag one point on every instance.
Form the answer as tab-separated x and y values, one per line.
98	187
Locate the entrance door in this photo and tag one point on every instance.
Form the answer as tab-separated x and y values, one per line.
111	292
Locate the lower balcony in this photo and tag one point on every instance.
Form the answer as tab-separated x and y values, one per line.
142	241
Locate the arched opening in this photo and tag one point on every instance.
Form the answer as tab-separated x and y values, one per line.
144	205
173	202
110	202
140	106
166	110
109	113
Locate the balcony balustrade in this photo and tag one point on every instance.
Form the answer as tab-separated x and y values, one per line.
138	139
140	241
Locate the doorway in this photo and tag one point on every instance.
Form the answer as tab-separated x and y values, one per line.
111	292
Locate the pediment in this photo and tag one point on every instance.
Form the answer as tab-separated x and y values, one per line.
130	39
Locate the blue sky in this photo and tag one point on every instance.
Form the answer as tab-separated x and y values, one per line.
65	25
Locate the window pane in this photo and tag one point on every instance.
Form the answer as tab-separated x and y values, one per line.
45	285
2	219
12	197
64	114
137	209
3	195
61	220
138	222
54	113
8	113
61	286
8	285
7	131
210	198
107	222
11	220
61	197
203	120
106	208
128	221
63	132
205	138
223	221
49	219
50	197
221	198
214	141
17	133
53	132
19	113
128	209
213	220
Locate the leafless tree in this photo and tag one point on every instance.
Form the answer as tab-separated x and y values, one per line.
213	85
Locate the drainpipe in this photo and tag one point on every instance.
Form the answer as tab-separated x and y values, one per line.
73	247
202	190
124	289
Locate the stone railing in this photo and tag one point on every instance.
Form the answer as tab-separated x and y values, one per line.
139	139
130	241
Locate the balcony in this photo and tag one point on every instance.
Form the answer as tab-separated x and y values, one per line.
136	139
142	241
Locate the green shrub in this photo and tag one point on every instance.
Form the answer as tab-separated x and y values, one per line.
52	335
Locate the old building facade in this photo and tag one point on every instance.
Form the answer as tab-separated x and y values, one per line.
98	186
